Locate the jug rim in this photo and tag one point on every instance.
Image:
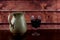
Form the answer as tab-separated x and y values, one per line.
18	12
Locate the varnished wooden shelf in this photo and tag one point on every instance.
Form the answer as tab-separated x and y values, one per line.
30	23
30	10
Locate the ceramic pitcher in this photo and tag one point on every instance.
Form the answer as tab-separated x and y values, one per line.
17	23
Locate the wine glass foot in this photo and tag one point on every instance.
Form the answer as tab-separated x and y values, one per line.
35	34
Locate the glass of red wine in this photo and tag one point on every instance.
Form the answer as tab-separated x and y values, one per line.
35	22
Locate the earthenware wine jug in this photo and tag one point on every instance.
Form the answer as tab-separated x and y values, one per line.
17	23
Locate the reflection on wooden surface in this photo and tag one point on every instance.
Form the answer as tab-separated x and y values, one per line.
44	35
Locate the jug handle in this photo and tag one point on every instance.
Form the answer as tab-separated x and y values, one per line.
9	20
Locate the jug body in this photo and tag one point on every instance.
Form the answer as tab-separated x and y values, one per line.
17	24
